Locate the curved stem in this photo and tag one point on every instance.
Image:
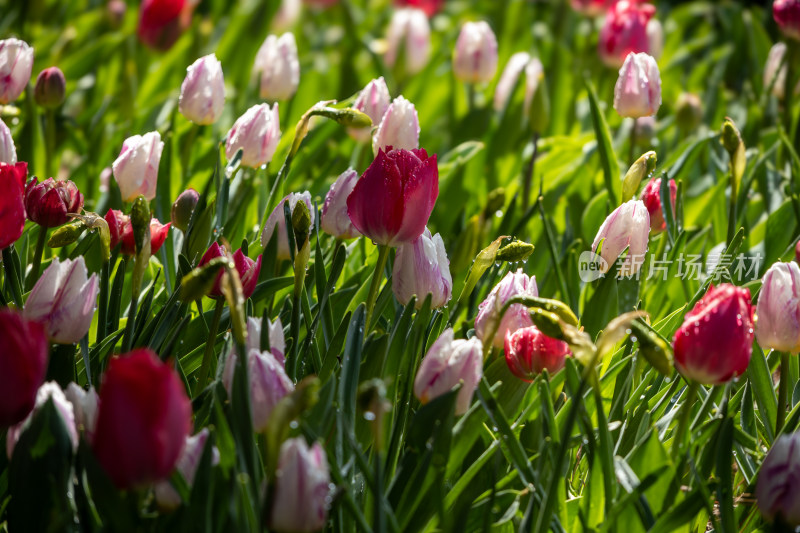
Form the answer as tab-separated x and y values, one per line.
377	277
783	392
202	377
683	421
37	259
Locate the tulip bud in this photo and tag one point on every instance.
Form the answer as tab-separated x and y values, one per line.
203	91
199	281
277	67
136	168
508	79
688	111
23	365
287	16
301	224
247	269
16	63
591	8
161	22
374	101
302	488
12	204
787	15
420	268
48	391
651	196
256	133
115	11
64	300
776	489
624	31
399	127
640	169
409	37
335	220
8	152
517	316
529	352
51	88
256	337
627	226
655	38
188	462
183	207
730	137
638	89
47	203
84	406
448	363
775	71
514	252
277	222
778	309
475	55
715	341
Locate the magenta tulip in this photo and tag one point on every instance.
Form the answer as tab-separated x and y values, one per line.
48	202
23	364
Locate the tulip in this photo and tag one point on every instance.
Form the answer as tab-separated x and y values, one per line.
161	22
625	31
203	91
420	268
651	196
48	391
287	15
430	7
277	222
399	127
409	36
256	133
278	67
787	15
475	56
775	72
136	168
714	343
16	64
12	201
277	343
627	226
655	38
777	496
48	202
64	300
247	269
335	220
374	101
688	111
166	496
183	207
529	352
302	493
448	363
517	316
638	89
393	200
51	88
591	8
778	309
143	419
8	152
23	365
84	405
534	72
121	230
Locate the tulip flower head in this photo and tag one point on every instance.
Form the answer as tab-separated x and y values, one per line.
8	152
48	391
203	91
624	31
277	343
287	15
638	89
778	309
475	56
256	133
399	127
278	67
121	230
23	365
628	226
48	202
161	22
166	496
334	218
51	88
777	496
136	168
12	201
775	72
84	406
517	316
409	38
16	64
247	269
183	207
277	222
787	15
420	268
529	352
373	100
651	196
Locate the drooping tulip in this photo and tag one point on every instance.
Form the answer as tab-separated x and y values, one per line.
136	168
143	419
778	308
374	101
475	56
334	218
203	91
48	202
277	343
517	316
393	200
48	391
651	196
399	127
16	64
84	405
23	365
638	89
278	67
256	133
628	226
777	496
8	152
161	22
787	15
625	31
12	202
529	352
183	207
409	37
51	88
167	497
247	269
121	230
277	222
420	268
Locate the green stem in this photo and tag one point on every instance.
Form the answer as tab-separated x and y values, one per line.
683	421
377	277
12	276
37	258
732	208
783	392
527	184
202	377
50	142
632	148
470	98
127	340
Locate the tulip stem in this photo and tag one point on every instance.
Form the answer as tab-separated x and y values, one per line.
33	275
683	421
202	377
470	98
783	392
526	185
632	149
50	141
377	277
12	276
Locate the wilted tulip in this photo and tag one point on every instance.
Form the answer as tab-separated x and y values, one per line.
183	207
64	300
16	64
161	22
393	200
430	7
51	88
591	8
278	67
203	91
448	363
143	419
48	202
335	220
166	496
517	316
399	127
136	168
277	343
777	496
420	268
12	201
302	488
8	152
277	222
628	226
247	269
256	133
23	365
409	38
48	391
475	56
638	89
84	406
651	196
787	15
715	341
625	31
374	101
778	309
529	352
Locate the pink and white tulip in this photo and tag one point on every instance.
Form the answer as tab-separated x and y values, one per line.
277	221
399	127
374	101
335	220
777	496
409	36
256	133
628	226
48	391
84	407
778	309
203	91
277	343
136	168
517	63
188	462
16	65
278	67
517	316
420	268
475	56
638	89
8	152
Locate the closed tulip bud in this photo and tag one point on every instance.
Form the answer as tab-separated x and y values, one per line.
529	352
420	268
12	201
655	38
274	337
778	309
514	252
651	196
393	200
48	391
374	101
628	226
287	16
787	15
517	316
183	207
302	492
775	72
399	127
640	169
277	67
688	111
161	22
23	365
508	79
64	300
777	496
277	222
136	168
256	133
591	8
335	220
84	406
16	64
714	343
475	55
409	38
624	31
247	269
203	91
448	363
51	88
48	202
167	497
8	152
638	89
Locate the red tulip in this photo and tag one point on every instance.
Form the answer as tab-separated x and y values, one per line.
161	22
625	31
716	339
23	364
121	229
143	419
12	205
393	200
430	7
528	352
787	14
247	268
48	202
651	196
